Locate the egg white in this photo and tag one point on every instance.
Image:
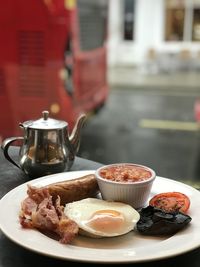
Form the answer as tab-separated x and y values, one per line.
81	212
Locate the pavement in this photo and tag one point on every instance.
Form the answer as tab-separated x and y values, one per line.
131	77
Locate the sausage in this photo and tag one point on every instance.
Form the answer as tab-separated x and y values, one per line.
74	190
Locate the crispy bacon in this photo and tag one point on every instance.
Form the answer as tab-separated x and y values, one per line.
38	211
45	217
28	206
38	194
67	230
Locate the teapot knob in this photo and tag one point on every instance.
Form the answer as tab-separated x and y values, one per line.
45	114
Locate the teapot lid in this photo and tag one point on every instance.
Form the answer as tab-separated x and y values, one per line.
45	123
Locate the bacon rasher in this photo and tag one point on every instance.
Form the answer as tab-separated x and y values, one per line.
40	212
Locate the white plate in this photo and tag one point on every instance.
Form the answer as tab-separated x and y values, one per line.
131	247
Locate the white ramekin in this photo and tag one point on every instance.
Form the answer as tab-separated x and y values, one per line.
135	194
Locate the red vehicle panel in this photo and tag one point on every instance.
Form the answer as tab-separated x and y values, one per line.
43	65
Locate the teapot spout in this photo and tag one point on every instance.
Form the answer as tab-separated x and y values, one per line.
74	138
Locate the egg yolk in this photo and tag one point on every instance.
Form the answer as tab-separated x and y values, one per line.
107	221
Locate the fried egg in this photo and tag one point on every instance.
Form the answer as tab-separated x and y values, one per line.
100	218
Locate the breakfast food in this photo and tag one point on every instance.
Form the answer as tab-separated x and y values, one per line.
43	208
125	182
99	218
171	201
68	208
40	212
154	221
75	189
165	214
125	173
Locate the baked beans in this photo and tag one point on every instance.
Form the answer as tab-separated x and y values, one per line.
125	173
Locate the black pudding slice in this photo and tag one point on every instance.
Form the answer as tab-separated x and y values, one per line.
155	221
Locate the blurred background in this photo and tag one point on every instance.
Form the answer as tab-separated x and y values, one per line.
152	113
131	65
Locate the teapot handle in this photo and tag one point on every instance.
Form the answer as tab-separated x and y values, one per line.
5	146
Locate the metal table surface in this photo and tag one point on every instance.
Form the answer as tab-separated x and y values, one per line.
12	254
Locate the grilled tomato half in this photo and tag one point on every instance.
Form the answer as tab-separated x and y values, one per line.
171	202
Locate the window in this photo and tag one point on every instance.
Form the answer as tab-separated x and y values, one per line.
93	23
129	6
196	25
182	20
174	24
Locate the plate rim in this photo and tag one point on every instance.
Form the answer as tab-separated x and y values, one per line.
90	260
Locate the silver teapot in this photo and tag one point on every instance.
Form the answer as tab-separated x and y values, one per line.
47	147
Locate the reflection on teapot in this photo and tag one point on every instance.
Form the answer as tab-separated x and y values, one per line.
47	146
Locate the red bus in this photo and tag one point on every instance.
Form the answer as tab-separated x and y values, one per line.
52	57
